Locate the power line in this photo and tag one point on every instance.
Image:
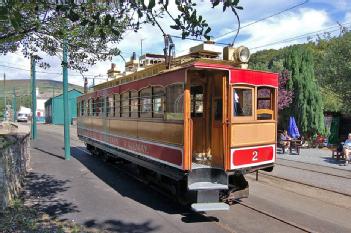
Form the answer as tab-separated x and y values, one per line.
263	19
325	30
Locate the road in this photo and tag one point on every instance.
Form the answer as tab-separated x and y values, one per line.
97	194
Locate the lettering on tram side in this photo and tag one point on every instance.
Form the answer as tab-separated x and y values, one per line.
170	155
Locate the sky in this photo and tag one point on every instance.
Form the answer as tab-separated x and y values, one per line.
293	26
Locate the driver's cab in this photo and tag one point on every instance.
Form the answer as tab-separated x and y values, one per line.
253	125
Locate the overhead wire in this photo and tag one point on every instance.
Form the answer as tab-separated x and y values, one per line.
305	35
264	18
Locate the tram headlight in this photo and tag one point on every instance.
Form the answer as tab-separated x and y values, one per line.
237	55
243	54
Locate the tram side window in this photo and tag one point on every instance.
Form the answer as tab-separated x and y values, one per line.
125	105
134	99
242	101
145	103
117	106
90	107
265	103
174	102
157	102
82	108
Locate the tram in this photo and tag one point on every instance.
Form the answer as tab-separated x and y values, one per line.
199	124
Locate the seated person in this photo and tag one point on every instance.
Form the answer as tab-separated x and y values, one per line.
347	149
285	139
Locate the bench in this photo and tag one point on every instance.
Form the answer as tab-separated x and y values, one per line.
338	155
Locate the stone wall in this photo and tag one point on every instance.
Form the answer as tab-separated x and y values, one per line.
14	163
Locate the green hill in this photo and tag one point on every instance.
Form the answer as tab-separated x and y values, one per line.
23	86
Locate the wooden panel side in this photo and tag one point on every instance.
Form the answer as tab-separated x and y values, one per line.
159	131
252	134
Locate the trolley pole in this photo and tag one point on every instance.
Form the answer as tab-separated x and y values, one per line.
14	105
34	100
65	103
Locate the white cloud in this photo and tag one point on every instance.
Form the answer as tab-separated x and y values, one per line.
277	28
283	27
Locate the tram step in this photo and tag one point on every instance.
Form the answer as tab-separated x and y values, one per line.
201	207
207	186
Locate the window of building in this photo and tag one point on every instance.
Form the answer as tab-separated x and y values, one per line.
134	100
117	106
242	101
125	108
265	103
145	102
174	102
197	101
89	107
157	102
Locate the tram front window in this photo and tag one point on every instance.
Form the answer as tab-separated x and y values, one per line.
242	99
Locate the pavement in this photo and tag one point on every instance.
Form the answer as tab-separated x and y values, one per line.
315	156
96	194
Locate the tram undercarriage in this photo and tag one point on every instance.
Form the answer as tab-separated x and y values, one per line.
209	188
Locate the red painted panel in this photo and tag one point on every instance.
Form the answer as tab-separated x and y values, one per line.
253	77
157	151
252	155
246	76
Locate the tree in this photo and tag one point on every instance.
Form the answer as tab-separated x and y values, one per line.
285	96
307	105
335	72
92	28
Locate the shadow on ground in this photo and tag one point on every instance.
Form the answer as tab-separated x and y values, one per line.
133	189
43	191
122	227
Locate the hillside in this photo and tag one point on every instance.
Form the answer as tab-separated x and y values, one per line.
46	87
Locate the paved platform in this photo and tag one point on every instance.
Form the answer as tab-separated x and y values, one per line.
315	156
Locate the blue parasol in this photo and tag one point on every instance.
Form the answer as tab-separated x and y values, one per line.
293	131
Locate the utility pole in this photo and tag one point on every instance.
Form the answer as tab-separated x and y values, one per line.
65	103
14	105
34	99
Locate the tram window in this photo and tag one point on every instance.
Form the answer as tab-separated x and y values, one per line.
197	103
174	102
93	107
145	102
82	108
125	105
134	104
265	103
109	105
242	99
99	106
117	106
157	102
88	108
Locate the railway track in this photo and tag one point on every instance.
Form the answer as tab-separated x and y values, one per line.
222	225
305	184
317	165
311	170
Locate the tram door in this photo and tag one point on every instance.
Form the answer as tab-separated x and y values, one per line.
206	97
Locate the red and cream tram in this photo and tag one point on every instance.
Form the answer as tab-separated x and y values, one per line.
200	125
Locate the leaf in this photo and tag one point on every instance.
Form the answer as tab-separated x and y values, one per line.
207	30
215	3
176	27
151	4
239	7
